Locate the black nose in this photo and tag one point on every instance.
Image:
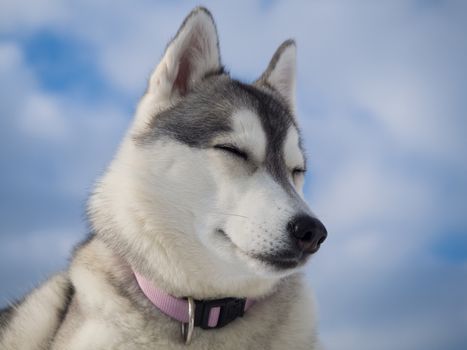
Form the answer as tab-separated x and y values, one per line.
308	231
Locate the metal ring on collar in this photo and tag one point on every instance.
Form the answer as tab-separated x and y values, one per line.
187	328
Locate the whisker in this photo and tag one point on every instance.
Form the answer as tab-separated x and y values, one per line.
229	214
181	206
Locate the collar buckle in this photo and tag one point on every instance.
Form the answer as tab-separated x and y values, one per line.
213	314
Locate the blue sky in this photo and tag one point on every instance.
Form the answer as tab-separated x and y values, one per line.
381	99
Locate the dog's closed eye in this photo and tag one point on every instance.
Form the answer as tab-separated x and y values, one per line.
298	171
233	150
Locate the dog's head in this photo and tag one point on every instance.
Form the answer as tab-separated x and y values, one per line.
212	169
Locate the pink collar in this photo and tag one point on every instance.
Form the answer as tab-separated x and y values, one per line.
208	314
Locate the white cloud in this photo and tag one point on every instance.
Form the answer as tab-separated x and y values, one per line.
39	245
15	76
29	15
57	119
9	56
35	113
42	117
367	189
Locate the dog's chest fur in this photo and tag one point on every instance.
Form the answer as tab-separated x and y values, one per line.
108	311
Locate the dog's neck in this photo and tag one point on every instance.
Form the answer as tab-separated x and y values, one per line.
180	278
208	314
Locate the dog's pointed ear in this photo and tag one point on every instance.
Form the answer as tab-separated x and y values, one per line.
192	54
281	72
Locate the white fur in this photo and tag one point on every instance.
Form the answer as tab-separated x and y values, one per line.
36	316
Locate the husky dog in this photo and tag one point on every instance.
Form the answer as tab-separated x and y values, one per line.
202	202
